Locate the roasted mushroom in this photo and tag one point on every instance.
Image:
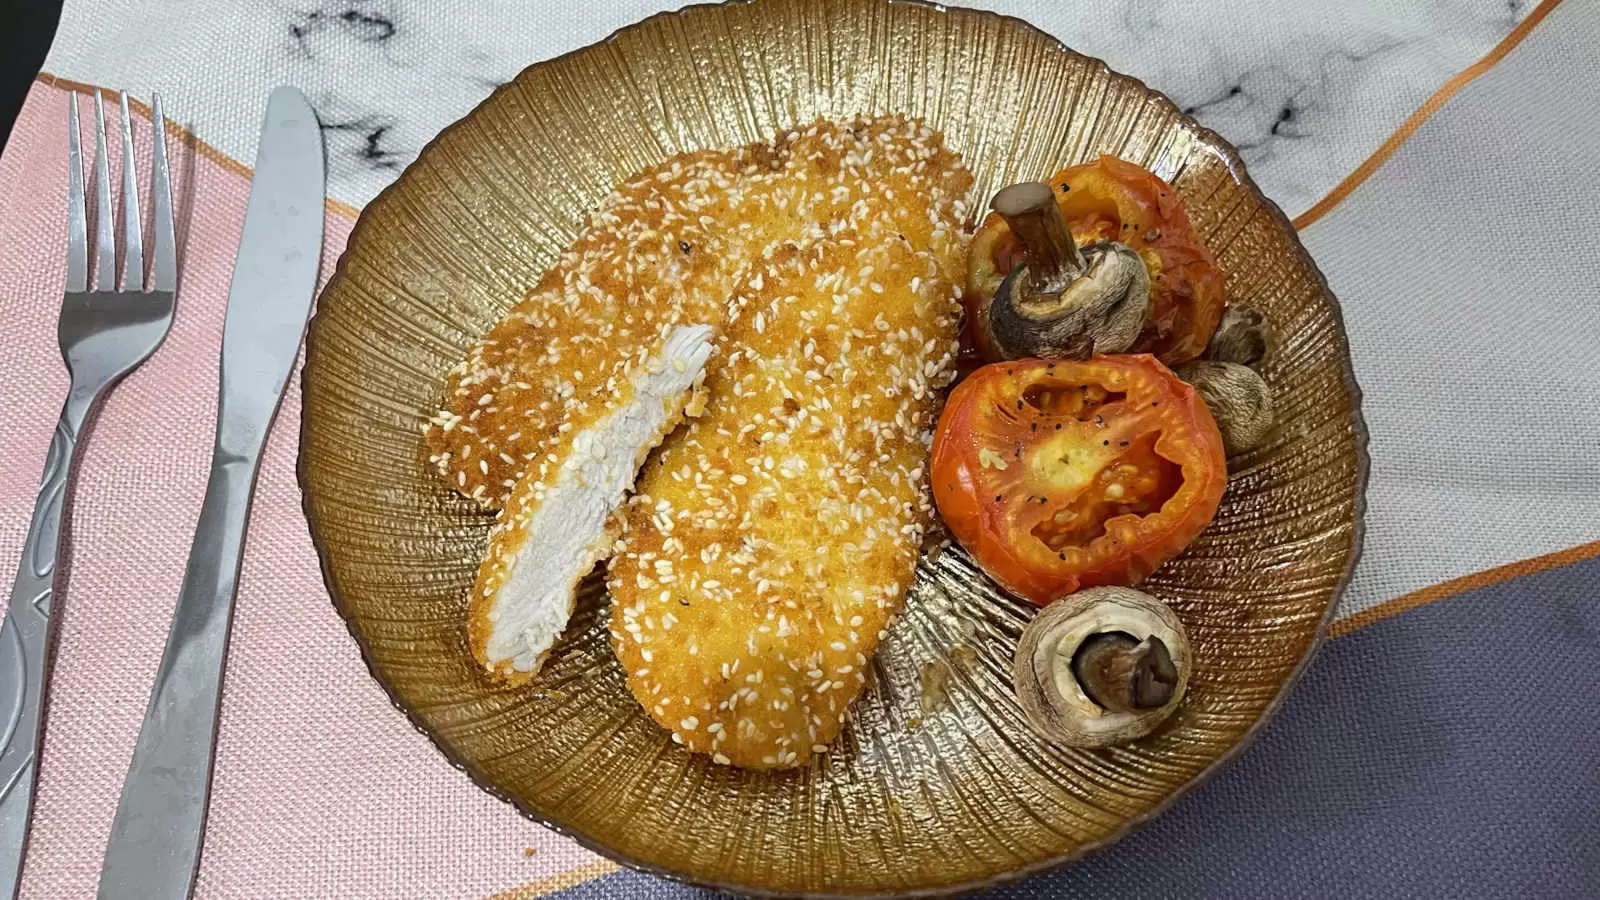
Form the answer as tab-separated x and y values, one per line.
1244	336
1238	398
1100	667
1063	302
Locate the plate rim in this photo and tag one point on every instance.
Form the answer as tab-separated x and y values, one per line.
1236	168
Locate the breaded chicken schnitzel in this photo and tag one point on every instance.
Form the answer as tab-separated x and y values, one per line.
771	539
552	412
560	378
815	279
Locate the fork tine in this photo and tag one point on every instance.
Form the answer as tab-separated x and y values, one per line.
77	223
132	241
105	246
165	261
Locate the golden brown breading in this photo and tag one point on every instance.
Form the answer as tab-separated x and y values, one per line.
654	255
771	539
670	246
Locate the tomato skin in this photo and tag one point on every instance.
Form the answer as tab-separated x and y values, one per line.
1151	430
1117	200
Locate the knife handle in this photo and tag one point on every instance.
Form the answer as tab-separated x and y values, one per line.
154	851
25	641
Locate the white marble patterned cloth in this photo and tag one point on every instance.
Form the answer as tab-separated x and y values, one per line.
1305	90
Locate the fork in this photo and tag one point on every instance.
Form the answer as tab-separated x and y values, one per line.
104	333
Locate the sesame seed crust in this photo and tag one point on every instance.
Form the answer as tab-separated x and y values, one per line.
678	243
771	539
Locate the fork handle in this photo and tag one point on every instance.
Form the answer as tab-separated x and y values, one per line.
25	640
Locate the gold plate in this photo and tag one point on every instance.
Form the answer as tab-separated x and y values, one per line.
908	802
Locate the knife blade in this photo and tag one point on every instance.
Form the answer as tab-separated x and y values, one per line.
156	836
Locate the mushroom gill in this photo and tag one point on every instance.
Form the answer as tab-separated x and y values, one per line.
1064	302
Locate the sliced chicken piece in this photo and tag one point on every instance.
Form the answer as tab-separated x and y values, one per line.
559	520
667	247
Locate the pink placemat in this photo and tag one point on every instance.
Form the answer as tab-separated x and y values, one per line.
322	789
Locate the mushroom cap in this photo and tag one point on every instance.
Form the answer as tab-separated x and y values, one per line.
1244	336
1239	399
1101	310
1055	704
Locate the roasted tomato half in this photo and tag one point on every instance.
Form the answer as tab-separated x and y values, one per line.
1059	475
1114	200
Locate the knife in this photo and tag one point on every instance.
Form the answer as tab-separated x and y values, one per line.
154	850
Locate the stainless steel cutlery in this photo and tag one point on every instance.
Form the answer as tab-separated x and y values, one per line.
156	836
105	333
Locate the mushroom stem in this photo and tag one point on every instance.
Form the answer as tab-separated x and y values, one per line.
1124	674
1038	224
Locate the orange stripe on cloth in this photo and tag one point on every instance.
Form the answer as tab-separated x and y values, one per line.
187	137
1454	586
1427	109
569	878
